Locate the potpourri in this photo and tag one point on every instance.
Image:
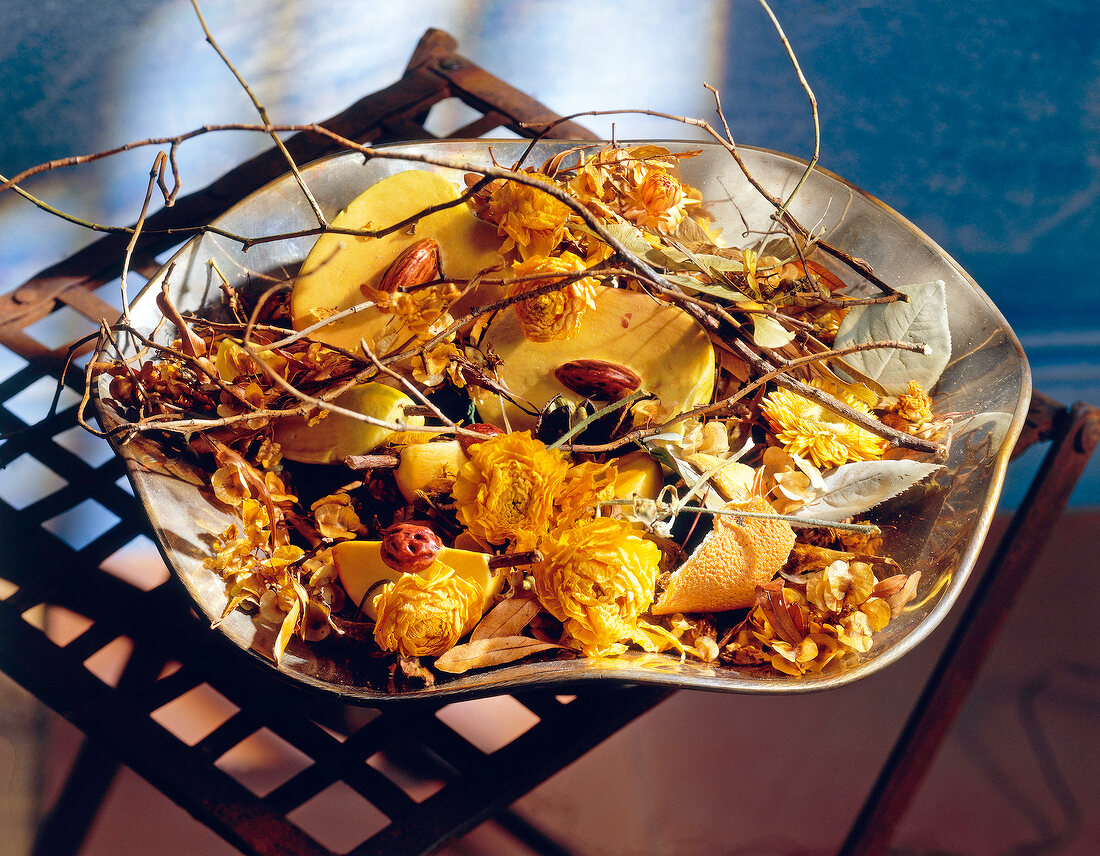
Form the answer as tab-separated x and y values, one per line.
553	418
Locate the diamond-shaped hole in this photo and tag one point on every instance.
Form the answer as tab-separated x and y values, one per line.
27	480
263	761
10	363
489	723
448	115
414	768
137	563
170	668
61	625
349	720
33	403
60	327
195	714
124	483
109	662
111	293
7	588
93	450
339	818
82	524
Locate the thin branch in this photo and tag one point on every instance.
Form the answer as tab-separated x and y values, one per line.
263	115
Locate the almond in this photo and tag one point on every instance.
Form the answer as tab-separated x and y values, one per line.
483	428
417	264
598	379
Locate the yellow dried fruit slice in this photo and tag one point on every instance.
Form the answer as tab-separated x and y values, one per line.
360	568
336	436
662	344
424	465
338	265
732	561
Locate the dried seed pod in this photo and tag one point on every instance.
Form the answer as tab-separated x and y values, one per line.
410	547
598	379
418	263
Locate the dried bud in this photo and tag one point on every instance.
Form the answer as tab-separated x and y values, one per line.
410	547
417	264
598	379
660	192
484	428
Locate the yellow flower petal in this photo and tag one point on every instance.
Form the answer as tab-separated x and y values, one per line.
508	487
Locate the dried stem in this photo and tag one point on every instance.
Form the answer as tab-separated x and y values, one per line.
263	115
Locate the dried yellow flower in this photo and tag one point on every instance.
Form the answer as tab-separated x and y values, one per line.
597	577
426	614
585	485
912	411
508	487
532	221
555	314
811	430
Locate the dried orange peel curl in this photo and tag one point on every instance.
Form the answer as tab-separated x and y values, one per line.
739	554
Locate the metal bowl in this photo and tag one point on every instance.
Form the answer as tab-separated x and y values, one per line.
945	521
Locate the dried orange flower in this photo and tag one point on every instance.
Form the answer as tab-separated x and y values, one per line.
912	411
420	314
787	480
811	430
508	487
532	221
426	614
658	201
431	367
555	314
634	183
597	577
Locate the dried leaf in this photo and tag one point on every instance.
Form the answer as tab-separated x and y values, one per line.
714	289
767	332
507	618
923	319
853	488
286	630
626	234
482	653
670	259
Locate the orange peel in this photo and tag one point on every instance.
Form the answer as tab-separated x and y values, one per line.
738	555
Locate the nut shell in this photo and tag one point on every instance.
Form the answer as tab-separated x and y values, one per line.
598	379
483	428
410	547
418	263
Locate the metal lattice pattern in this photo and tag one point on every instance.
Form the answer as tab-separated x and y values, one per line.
91	624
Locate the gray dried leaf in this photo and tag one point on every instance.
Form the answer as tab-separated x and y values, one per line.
853	488
922	320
